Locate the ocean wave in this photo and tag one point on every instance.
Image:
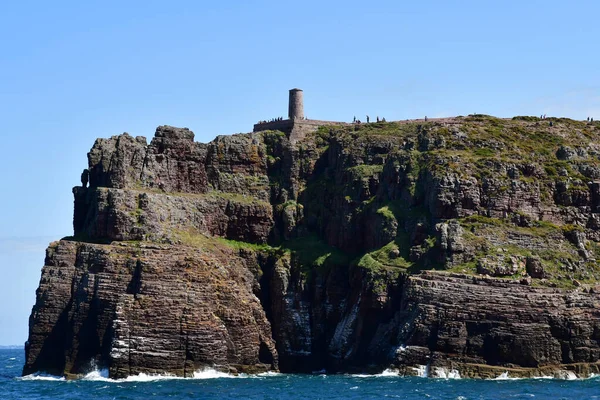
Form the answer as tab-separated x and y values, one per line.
505	377
422	371
41	377
268	373
444	373
559	375
210	373
386	373
568	375
101	375
425	371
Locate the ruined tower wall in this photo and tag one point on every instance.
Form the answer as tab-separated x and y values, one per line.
296	126
296	104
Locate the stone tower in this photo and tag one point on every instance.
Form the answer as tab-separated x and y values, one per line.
296	106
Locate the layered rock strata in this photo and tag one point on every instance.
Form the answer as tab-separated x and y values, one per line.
467	245
147	309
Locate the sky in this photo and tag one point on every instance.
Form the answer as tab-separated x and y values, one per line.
71	72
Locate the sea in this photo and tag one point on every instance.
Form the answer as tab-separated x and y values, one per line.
209	384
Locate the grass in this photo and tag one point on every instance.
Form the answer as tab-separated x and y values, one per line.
386	212
211	243
216	194
560	259
526	118
365	170
521	138
484	152
397	129
392	255
484	148
313	252
478	146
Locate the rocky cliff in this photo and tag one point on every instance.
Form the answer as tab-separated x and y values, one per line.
467	244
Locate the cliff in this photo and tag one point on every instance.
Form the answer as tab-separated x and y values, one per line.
466	244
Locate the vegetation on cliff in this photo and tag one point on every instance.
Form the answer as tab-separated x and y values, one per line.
468	243
515	189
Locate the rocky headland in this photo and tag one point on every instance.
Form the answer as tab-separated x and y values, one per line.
468	245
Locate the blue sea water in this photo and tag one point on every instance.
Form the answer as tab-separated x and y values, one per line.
213	385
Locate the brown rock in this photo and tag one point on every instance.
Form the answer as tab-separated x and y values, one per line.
168	294
534	267
158	309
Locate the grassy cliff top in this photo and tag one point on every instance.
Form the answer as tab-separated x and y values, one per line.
519	192
474	145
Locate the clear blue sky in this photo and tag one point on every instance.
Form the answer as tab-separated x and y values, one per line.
74	71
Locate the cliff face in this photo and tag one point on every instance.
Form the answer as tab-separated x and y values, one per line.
147	308
466	244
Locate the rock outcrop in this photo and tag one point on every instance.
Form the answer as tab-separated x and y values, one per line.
468	244
147	308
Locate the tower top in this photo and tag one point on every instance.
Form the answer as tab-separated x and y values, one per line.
296	104
296	126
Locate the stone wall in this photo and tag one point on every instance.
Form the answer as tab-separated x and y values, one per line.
285	125
296	129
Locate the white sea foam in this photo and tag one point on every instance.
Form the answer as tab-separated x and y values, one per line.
101	375
42	377
453	374
421	371
385	373
12	359
567	375
444	373
268	373
543	377
425	371
212	374
389	372
505	377
97	375
148	378
560	375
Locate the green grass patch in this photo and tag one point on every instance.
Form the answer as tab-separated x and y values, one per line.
386	212
210	243
477	219
526	118
484	152
392	255
365	170
314	252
